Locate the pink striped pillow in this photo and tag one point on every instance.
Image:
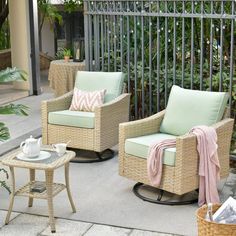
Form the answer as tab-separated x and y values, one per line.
87	101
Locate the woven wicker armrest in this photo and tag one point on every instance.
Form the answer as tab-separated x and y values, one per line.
108	117
113	108
228	122
56	104
142	127
186	145
123	98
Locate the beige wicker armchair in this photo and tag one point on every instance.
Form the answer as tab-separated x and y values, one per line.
104	133
181	177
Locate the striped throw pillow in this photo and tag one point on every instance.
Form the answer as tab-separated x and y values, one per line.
86	101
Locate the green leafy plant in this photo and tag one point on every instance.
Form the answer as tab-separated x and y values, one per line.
59	54
66	52
12	74
9	75
3	182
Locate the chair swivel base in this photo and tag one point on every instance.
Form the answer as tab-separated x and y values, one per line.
159	199
84	156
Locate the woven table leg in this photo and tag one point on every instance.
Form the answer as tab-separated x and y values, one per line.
12	195
49	187
68	187
32	178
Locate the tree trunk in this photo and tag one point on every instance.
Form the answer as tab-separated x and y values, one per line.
3	12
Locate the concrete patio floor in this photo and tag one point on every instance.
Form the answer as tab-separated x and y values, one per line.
26	224
33	225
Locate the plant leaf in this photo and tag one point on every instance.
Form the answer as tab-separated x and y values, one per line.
17	109
12	74
4	132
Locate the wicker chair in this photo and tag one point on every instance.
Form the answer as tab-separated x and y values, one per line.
182	177
107	117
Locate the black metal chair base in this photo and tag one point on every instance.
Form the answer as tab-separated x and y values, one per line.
83	156
159	200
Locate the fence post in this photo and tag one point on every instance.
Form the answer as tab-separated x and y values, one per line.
86	36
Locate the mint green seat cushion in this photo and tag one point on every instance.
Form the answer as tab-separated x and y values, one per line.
139	147
72	118
188	108
91	81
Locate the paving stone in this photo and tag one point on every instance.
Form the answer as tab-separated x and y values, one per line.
136	232
103	230
3	216
25	225
67	228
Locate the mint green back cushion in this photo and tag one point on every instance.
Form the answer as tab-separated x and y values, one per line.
91	81
188	108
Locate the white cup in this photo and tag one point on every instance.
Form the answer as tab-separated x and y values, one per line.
60	148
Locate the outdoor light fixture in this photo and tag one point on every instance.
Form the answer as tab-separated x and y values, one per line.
78	49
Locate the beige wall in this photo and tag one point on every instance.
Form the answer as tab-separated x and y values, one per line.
20	40
48	43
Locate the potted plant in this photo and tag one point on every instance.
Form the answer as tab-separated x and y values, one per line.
67	54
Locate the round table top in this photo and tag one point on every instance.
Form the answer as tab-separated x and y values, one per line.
65	63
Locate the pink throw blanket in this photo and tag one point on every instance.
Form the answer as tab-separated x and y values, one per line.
154	161
209	167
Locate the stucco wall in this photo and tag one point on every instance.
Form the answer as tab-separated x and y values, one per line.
20	39
48	43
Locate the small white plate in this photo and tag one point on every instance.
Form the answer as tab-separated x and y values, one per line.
42	156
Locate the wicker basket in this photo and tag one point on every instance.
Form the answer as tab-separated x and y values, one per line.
206	228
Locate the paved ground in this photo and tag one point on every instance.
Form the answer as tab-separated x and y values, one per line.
9	94
30	225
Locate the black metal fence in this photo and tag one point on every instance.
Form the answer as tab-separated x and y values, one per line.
163	42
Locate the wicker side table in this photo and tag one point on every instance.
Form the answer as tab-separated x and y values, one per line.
52	189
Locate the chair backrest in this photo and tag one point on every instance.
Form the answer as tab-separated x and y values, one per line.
93	80
188	108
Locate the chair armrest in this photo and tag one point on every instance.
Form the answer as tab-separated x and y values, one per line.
107	120
186	147
142	127
225	126
56	104
225	123
137	128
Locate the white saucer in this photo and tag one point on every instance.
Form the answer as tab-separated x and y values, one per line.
42	156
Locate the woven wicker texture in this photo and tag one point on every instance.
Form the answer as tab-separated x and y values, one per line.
206	228
62	75
183	177
103	136
52	189
25	190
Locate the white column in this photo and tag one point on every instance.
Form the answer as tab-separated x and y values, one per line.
20	40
